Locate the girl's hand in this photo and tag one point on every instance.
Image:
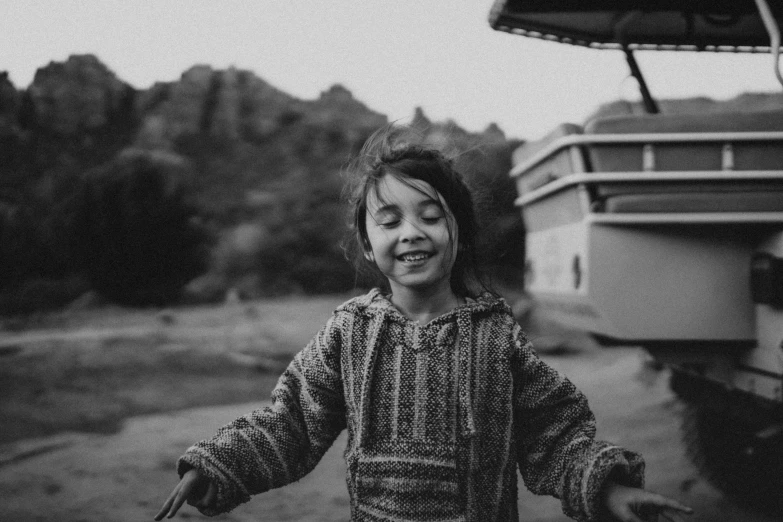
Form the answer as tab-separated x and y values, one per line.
194	488
637	505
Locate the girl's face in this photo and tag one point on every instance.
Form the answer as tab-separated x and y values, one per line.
412	234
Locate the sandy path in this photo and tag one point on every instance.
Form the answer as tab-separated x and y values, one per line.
127	475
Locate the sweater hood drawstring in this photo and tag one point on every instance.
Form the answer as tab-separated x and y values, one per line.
464	342
371	355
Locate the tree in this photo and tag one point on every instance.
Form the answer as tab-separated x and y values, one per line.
135	231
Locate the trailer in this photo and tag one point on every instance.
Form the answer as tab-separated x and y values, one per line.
666	230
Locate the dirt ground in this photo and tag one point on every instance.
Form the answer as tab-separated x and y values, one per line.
95	408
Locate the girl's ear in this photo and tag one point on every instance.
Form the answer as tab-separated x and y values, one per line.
367	247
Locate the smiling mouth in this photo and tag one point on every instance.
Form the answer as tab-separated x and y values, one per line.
414	257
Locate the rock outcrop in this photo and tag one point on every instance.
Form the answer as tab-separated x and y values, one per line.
79	95
10	101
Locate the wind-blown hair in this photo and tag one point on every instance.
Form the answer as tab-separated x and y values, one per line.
390	151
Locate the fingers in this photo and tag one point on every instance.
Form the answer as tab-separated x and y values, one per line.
179	499
179	495
637	505
626	515
674	516
166	506
669	518
174	502
658	507
666	504
197	490
209	497
673	504
170	507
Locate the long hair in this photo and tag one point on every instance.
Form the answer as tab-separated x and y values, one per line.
394	151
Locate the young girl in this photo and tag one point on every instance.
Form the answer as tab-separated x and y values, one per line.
442	395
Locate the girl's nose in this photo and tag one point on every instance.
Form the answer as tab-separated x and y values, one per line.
410	232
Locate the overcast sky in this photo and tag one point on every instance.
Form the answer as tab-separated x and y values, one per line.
393	55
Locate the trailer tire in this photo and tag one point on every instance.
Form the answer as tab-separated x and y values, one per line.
727	453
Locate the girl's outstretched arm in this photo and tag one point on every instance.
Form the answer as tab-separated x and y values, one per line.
637	505
556	448
278	444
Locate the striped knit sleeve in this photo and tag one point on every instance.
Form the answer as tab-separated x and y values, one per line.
557	453
278	444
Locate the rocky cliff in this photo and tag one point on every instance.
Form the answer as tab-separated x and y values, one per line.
80	95
83	95
77	114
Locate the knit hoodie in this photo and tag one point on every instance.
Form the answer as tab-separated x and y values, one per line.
439	417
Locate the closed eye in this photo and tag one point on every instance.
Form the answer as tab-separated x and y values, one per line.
387	218
432	218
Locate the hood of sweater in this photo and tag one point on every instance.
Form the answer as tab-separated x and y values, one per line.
378	306
376	302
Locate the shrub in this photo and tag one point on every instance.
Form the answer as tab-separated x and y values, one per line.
39	294
136	234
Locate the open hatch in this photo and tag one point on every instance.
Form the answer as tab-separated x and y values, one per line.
666	25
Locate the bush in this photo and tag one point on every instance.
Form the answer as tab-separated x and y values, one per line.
501	244
302	251
19	247
135	231
40	294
